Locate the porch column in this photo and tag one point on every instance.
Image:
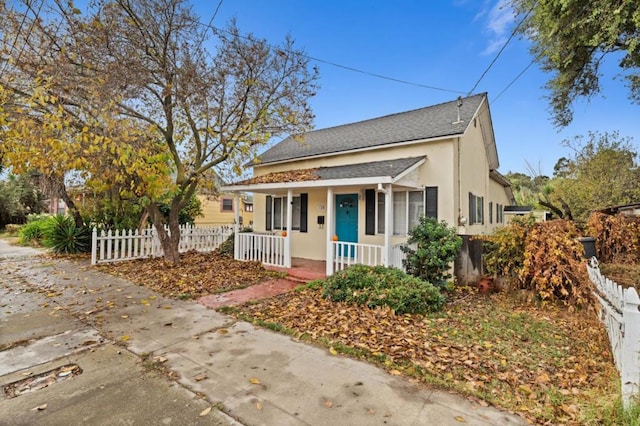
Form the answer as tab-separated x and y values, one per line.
328	224
236	227
388	224
287	239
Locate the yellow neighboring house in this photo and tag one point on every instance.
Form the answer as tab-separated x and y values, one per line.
221	210
364	185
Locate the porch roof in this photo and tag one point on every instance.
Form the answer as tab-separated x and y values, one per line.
372	173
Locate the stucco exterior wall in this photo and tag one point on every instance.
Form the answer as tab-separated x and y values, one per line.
497	196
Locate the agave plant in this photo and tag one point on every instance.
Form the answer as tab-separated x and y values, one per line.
63	236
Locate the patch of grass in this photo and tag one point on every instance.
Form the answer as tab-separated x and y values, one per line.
607	409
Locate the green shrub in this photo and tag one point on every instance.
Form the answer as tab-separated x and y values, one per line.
62	236
436	247
33	231
382	286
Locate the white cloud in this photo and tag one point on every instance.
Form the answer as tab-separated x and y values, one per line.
499	24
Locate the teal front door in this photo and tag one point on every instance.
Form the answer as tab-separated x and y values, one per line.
347	221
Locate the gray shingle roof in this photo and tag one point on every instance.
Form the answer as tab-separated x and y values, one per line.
391	168
424	123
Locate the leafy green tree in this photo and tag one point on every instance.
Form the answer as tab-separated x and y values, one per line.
571	39
602	171
19	197
526	189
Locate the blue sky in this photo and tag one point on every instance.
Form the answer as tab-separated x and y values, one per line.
444	44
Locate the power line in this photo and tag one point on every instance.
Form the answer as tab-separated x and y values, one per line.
215	13
384	77
504	46
346	67
514	80
15	40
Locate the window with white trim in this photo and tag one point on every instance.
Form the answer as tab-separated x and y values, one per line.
408	206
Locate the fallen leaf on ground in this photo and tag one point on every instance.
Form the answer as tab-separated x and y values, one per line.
259	405
200	377
333	351
205	411
125	338
39	407
254	381
460	419
328	403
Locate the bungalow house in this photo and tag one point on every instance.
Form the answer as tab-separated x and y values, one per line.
349	194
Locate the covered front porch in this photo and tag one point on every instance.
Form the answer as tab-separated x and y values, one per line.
342	215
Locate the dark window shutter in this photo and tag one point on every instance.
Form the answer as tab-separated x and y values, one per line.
472	209
491	212
482	210
370	212
267	219
431	198
304	203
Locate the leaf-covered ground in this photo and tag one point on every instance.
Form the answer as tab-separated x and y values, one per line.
197	274
548	365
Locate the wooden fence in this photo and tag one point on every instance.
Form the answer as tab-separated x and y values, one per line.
620	315
113	246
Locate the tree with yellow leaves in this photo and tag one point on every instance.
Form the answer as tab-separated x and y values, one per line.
130	92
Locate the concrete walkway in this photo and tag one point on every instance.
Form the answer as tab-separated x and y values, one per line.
254	376
9	251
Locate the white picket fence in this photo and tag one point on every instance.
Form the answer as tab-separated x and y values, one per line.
113	246
621	317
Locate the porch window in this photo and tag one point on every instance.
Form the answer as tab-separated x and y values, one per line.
276	217
408	206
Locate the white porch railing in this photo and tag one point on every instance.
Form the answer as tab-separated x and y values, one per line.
346	254
621	317
265	248
113	246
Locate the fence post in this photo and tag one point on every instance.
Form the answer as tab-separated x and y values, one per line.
630	374
94	245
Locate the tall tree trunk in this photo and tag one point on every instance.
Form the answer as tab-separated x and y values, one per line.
77	217
168	240
54	186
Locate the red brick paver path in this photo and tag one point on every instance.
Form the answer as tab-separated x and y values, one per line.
255	292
